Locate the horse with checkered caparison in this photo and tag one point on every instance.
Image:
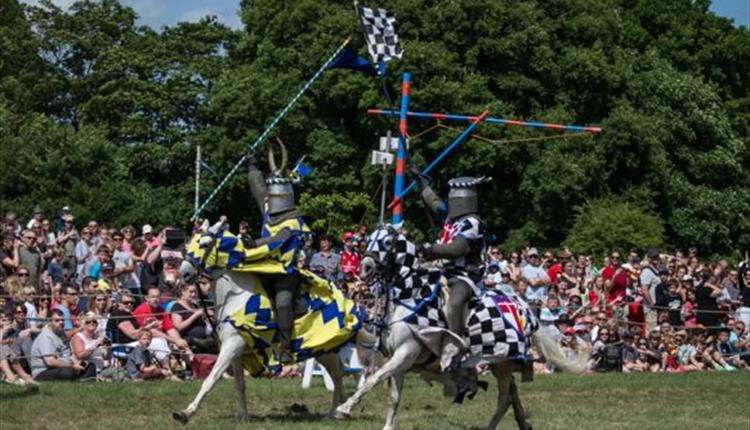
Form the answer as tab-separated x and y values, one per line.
499	330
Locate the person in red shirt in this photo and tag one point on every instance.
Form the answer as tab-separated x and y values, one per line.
556	268
150	316
616	277
349	256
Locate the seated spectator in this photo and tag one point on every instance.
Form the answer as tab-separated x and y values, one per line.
12	336
727	352
27	298
99	306
648	348
142	364
68	306
151	316
42	304
711	355
631	357
122	327
190	321
687	355
607	352
87	344
50	354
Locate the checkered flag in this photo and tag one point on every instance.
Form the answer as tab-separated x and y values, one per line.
380	34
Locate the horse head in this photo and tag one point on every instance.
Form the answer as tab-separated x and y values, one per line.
389	254
198	255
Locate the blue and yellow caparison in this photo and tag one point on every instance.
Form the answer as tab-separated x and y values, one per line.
330	320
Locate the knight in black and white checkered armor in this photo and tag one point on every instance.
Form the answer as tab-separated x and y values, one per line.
461	244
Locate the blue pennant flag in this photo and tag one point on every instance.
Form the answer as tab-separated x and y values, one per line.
348	59
301	169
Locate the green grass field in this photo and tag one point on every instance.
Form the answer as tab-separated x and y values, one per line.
605	401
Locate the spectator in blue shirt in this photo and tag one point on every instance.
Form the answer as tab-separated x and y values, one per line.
326	262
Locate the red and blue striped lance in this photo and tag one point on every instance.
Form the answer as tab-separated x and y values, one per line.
398	184
563	127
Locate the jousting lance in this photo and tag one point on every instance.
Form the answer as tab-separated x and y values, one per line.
504	121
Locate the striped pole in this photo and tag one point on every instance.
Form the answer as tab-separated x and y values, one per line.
489	120
401	153
270	127
442	155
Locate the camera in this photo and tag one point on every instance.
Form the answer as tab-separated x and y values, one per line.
174	238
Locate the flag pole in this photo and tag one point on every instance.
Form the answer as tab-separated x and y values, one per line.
398	186
442	116
397	199
270	127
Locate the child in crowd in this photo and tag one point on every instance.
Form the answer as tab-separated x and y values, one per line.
142	365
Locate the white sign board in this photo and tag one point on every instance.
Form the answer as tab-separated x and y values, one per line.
385	147
383	158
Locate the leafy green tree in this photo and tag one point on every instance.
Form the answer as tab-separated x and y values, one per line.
603	225
119	109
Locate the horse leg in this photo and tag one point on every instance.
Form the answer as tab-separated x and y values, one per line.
239	386
401	361
230	348
332	364
397	383
518	411
504	377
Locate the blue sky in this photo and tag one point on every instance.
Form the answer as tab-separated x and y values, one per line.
158	13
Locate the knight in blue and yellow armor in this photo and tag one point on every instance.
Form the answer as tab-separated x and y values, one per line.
282	238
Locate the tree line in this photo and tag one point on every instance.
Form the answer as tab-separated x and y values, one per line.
104	115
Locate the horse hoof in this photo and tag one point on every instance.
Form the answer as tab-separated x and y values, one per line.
339	415
181	417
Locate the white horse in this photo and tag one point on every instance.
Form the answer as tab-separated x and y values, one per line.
407	352
232	290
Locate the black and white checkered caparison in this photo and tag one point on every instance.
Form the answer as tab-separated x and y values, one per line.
380	34
412	288
491	333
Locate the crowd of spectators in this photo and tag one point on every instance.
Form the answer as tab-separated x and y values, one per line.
661	313
86	301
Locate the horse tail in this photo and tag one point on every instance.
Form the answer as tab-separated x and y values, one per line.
552	351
